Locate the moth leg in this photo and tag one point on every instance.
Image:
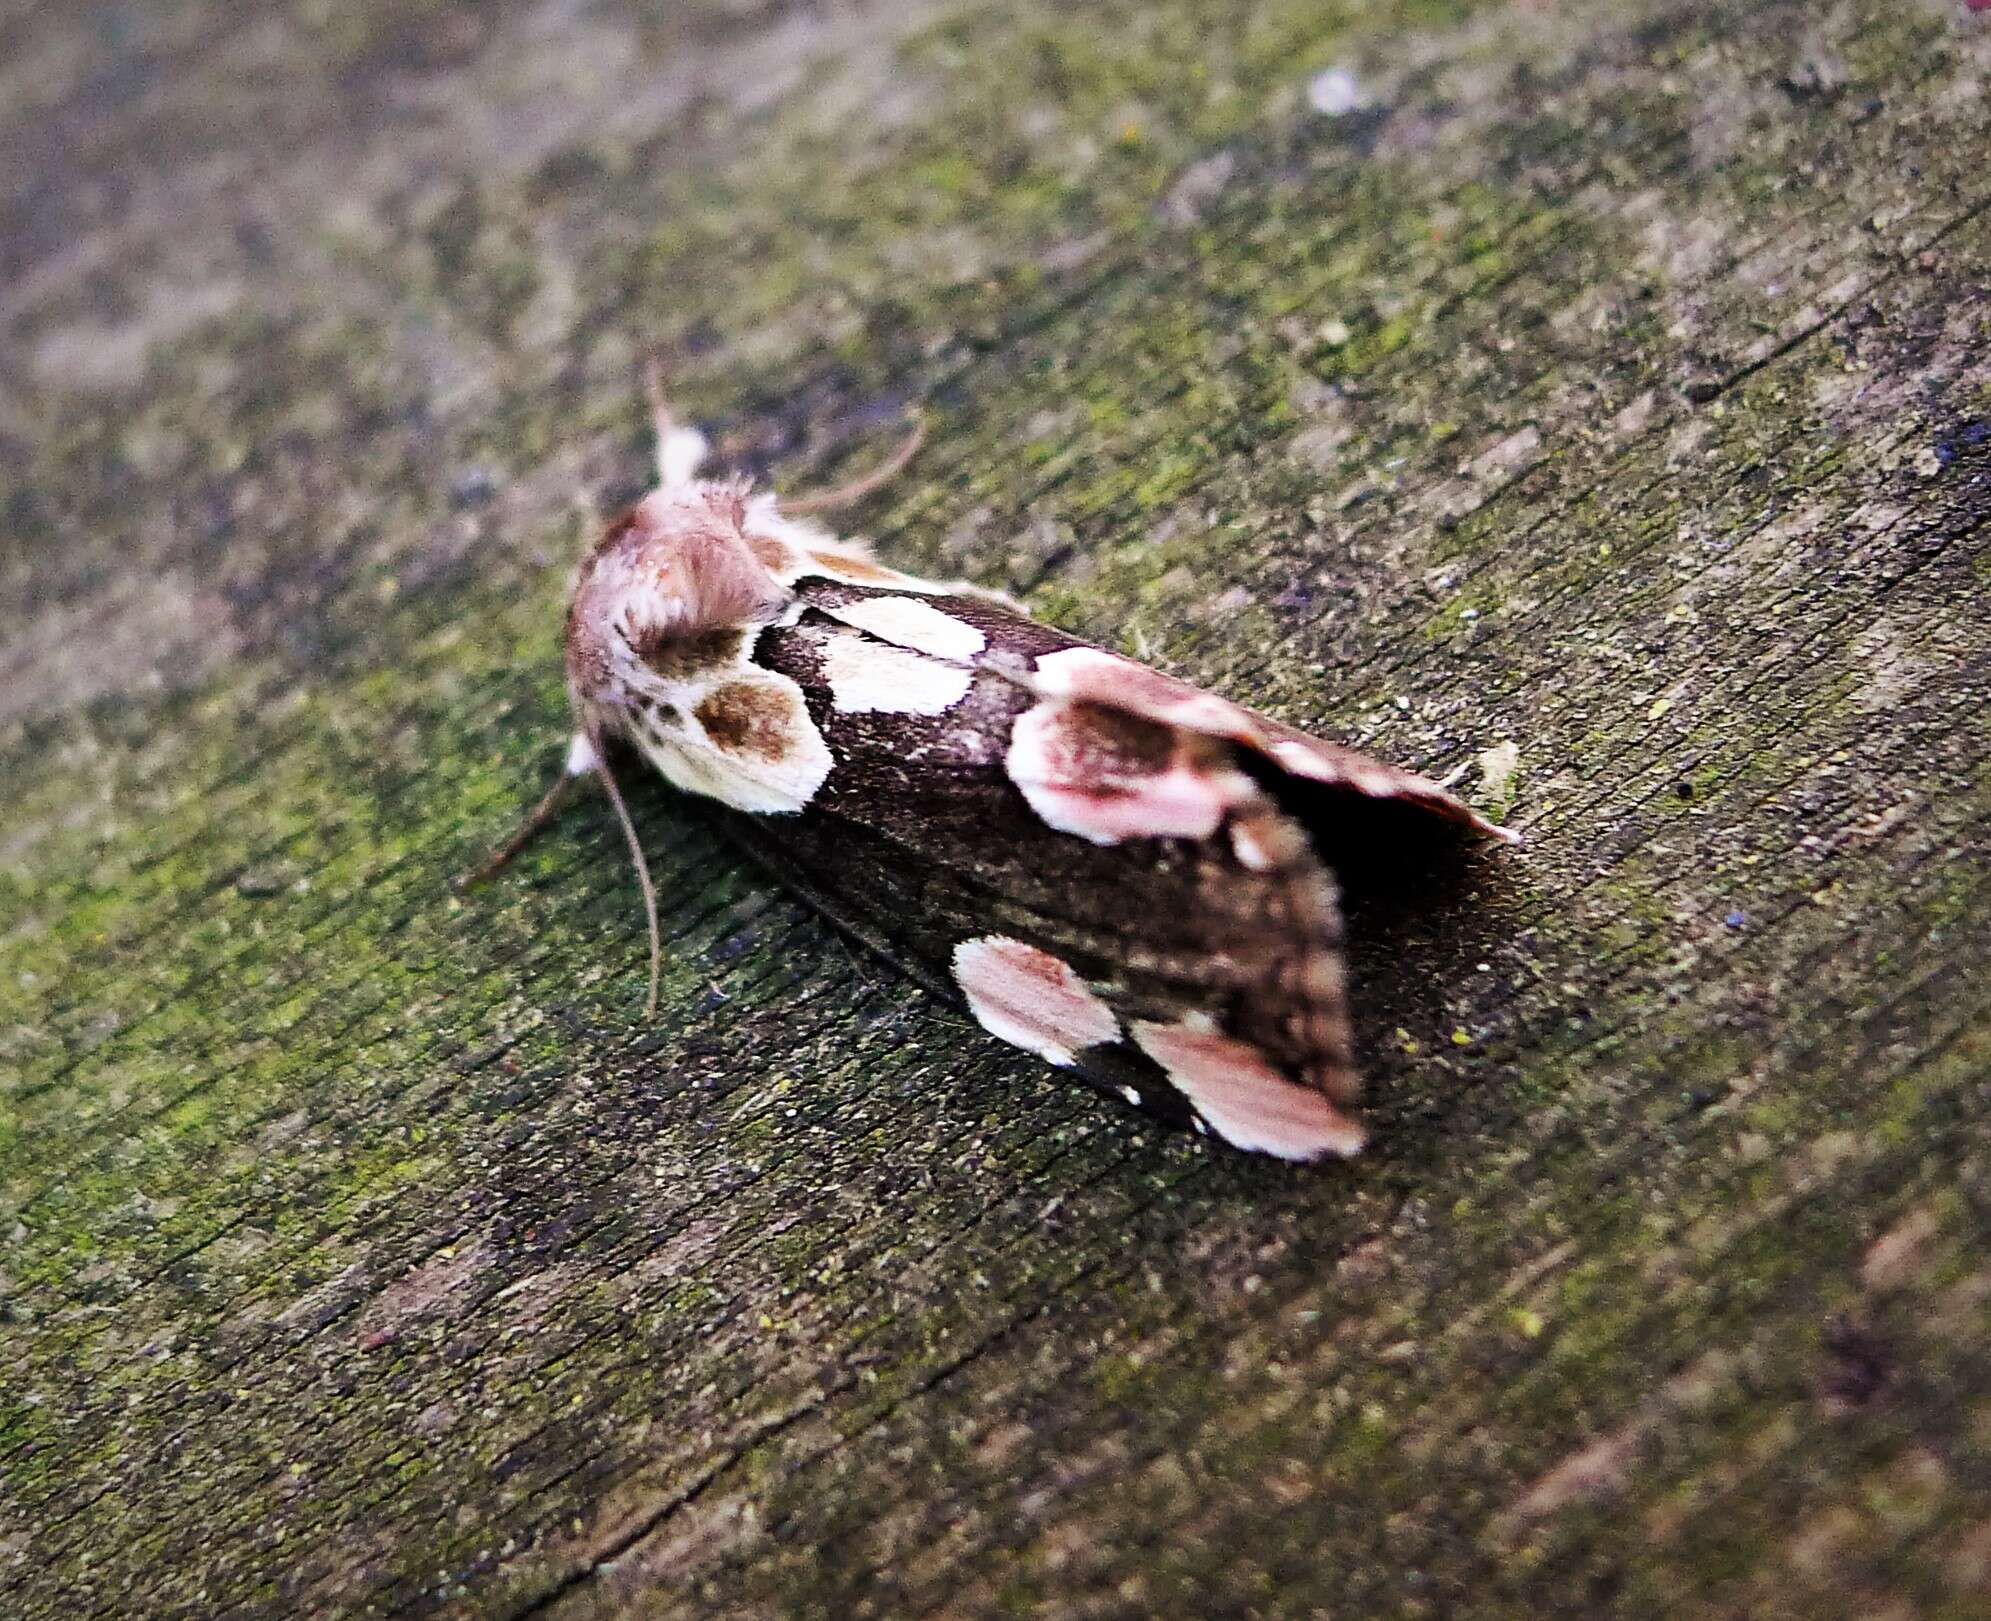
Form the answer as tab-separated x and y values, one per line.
846	494
585	758
598	762
680	451
581	762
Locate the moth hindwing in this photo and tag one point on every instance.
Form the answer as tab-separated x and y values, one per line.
1110	868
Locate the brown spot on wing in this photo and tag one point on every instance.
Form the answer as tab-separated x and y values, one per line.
777	556
1095	744
750	717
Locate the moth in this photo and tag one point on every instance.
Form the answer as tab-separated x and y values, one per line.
1115	870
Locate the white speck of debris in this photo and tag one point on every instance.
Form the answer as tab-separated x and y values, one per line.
1198	188
1496	768
1335	92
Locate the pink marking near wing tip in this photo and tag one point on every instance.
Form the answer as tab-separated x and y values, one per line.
1249	1103
1081	788
1090	675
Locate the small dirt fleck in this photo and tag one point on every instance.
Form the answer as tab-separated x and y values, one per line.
1860	1364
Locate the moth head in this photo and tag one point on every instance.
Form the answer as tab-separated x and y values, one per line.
676	565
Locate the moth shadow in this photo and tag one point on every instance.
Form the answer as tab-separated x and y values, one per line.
1424	907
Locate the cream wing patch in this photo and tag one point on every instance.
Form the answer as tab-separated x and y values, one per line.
873	677
1231	1085
747	741
1031	999
790	549
919	626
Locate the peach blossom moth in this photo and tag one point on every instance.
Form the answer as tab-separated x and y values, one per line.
1110	868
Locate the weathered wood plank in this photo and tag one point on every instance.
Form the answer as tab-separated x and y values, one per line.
1612	380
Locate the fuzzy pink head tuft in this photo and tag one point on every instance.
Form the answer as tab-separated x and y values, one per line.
677	564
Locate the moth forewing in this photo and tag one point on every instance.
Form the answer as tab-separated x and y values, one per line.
1108	867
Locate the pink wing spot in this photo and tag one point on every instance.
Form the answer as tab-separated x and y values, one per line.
1304	760
1108	776
1088	674
1030	998
1247	1102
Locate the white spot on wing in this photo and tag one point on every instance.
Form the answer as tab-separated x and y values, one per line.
908	622
1030	998
868	677
1249	849
1132	1094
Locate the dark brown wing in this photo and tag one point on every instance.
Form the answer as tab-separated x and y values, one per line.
1197	973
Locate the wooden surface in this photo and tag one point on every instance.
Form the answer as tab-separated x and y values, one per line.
1613	381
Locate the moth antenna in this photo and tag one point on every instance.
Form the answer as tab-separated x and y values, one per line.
580	762
680	451
846	494
653	391
642	872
